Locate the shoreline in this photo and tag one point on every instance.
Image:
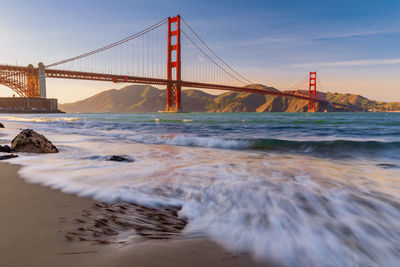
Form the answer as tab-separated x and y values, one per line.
35	220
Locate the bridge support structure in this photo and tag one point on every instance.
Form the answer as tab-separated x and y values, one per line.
42	80
312	91
174	103
27	82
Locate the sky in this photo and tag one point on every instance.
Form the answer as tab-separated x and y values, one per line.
353	45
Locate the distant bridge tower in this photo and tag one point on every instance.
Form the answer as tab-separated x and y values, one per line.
312	91
174	65
42	80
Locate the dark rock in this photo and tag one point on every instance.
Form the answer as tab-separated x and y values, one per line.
8	156
69	238
387	165
30	141
1	125
103	242
120	159
109	231
5	149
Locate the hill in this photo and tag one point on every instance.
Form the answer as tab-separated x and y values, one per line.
146	98
136	98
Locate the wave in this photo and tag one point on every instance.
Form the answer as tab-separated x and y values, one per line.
323	146
331	146
211	142
222	137
39	119
158	120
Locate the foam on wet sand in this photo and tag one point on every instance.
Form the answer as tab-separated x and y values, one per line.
35	221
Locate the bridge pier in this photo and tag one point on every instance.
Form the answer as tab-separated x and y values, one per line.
42	80
31	82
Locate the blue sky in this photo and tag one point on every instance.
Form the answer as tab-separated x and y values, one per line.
354	45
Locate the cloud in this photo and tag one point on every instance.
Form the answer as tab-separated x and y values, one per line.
269	40
354	34
351	63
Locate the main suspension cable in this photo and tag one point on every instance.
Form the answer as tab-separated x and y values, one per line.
184	33
215	54
136	35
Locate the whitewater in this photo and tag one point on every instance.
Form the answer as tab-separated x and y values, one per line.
295	189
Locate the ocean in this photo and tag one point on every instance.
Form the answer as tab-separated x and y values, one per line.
295	189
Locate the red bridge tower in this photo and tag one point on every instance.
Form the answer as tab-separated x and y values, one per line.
174	65
312	91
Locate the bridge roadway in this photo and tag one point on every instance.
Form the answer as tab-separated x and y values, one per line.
65	74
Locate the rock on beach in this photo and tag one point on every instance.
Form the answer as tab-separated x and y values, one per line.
5	149
30	141
120	158
8	156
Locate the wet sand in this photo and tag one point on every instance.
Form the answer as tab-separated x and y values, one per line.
42	227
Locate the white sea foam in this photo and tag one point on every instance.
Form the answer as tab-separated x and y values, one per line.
211	142
39	119
292	210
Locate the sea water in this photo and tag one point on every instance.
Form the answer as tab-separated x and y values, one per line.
295	189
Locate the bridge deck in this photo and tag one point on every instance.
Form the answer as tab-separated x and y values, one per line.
65	74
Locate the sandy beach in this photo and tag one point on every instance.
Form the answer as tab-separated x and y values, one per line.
35	221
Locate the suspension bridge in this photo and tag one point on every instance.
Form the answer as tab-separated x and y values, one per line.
169	53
